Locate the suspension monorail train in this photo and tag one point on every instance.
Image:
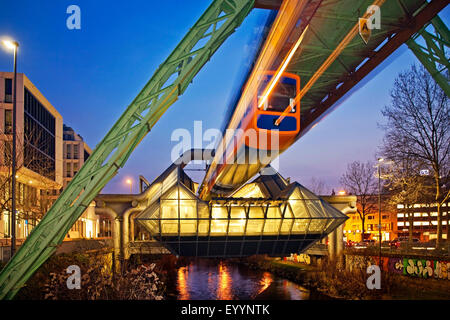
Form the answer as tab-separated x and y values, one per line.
258	139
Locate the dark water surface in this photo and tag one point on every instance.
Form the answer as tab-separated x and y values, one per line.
219	280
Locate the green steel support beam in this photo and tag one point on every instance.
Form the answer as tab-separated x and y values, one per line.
433	53
169	81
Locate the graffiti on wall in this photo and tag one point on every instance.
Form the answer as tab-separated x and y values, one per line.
422	268
301	258
418	268
359	262
442	270
395	265
412	267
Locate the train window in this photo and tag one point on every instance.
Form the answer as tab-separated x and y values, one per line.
281	96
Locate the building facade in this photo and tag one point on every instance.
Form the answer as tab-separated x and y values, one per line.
75	153
353	226
39	154
424	220
48	155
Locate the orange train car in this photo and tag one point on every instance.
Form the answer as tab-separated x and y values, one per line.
262	119
257	131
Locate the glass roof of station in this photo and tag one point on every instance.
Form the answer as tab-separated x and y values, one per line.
266	206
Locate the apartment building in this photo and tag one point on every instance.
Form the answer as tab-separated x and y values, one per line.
39	154
424	220
75	153
353	226
48	154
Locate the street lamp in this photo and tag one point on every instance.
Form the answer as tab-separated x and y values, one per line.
13	45
130	182
380	161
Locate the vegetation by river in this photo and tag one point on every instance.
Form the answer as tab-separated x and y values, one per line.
169	277
334	281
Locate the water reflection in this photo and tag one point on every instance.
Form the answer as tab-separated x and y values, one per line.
266	281
225	283
208	280
182	286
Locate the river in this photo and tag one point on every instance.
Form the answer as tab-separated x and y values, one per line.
204	279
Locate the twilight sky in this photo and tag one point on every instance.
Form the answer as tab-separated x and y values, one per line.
91	75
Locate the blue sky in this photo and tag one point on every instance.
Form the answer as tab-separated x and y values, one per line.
91	75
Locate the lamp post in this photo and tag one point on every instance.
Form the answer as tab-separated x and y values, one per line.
130	182
380	160
14	45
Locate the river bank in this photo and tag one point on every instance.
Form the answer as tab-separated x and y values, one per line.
332	281
252	278
90	276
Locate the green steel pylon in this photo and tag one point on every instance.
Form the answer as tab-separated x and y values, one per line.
169	81
433	53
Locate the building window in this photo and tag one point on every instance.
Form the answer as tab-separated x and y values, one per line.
370	217
21	192
8	121
68	170
8	90
75	151
385	217
6	190
75	169
6	224
39	130
7	153
69	151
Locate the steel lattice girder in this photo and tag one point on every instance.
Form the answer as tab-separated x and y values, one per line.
433	54
315	107
169	81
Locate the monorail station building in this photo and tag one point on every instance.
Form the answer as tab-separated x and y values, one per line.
266	216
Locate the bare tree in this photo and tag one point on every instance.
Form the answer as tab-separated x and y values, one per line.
406	187
417	128
31	205
317	186
359	179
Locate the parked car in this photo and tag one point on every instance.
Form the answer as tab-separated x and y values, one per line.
395	243
350	243
364	244
386	244
360	245
403	242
